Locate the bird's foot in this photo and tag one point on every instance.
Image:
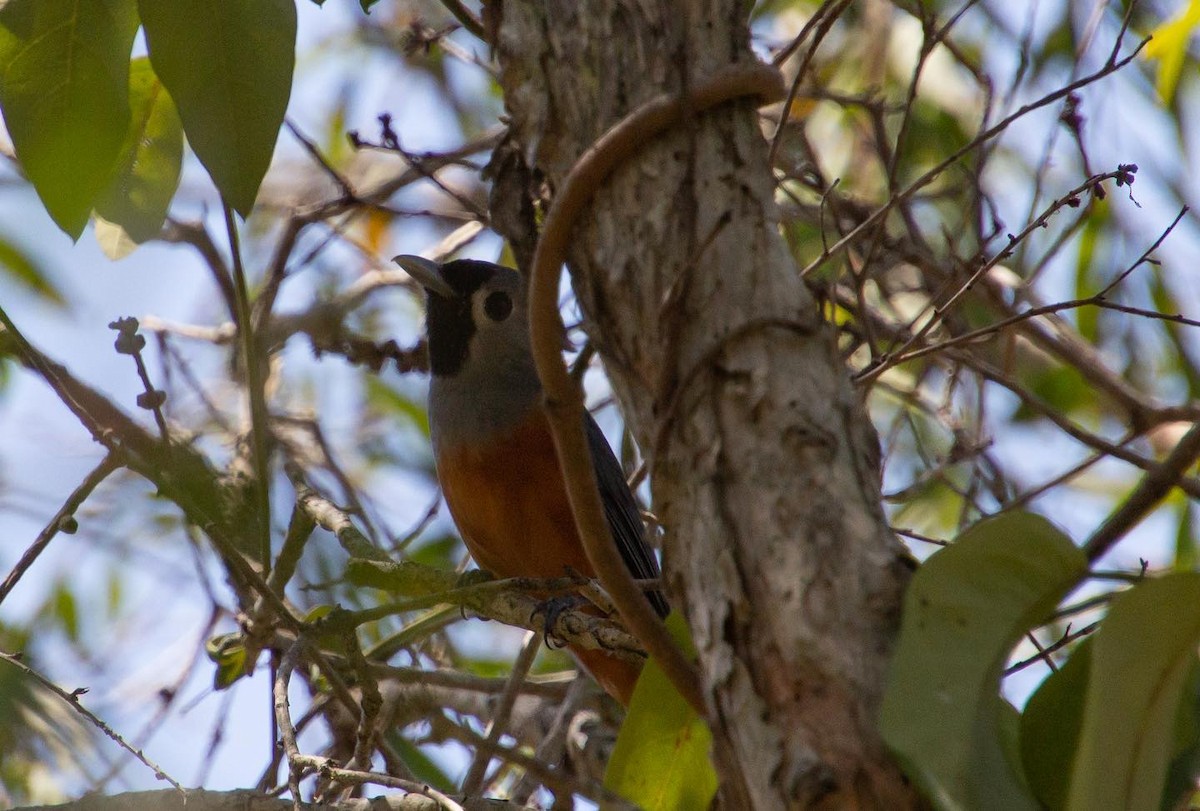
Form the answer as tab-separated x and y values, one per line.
551	609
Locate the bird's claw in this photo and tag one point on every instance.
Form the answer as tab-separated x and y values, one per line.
551	609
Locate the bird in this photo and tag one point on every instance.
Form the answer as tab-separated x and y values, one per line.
494	451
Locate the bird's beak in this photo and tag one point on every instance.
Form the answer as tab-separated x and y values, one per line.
427	272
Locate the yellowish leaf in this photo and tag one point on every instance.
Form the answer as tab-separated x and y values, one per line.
1169	48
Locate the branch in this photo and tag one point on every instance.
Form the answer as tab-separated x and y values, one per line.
511	601
466	18
924	180
1071	198
62	521
1152	489
564	397
324	321
180	472
301	764
72	698
498	726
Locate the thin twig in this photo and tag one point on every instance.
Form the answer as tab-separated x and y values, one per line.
62	521
823	20
550	749
939	310
1153	488
72	698
465	17
497	727
1045	653
976	142
300	764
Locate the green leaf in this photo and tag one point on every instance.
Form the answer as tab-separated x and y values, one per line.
1062	388
19	266
318	612
147	171
228	67
228	652
1050	728
113	240
1185	765
442	552
1008	726
965	609
422	766
1092	240
66	610
64	89
1185	541
390	401
660	761
1143	656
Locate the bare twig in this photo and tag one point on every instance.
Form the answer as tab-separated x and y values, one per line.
473	782
466	17
300	764
62	521
1152	489
1044	654
939	310
821	21
929	176
72	698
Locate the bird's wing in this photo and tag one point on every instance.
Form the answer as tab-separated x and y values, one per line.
622	513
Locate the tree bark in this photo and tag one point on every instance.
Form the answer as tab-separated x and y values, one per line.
763	465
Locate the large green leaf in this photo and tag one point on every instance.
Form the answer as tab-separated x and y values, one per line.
64	89
1142	659
228	67
965	609
1050	728
661	759
1185	764
148	169
1053	719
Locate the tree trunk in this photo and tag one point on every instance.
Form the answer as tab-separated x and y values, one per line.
763	466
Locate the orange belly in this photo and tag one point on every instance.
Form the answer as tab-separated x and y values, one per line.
510	504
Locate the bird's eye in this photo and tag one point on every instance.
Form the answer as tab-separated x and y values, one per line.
498	306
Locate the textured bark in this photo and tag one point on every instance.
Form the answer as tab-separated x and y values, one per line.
763	464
